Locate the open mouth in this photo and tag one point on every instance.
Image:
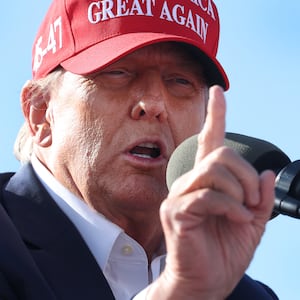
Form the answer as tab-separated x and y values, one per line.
146	150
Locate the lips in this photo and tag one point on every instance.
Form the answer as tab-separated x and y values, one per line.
146	150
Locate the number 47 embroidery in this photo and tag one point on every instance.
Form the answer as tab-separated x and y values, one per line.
55	31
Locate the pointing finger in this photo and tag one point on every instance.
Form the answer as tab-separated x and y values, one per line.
213	132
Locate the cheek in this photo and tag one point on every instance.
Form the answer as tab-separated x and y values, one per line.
187	122
71	126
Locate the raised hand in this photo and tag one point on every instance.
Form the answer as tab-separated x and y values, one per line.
213	218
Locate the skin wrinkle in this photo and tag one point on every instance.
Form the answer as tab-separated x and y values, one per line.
94	115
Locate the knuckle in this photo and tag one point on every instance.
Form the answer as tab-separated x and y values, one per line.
226	152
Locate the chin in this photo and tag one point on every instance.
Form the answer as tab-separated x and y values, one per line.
143	197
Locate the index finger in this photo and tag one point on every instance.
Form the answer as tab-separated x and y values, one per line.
212	135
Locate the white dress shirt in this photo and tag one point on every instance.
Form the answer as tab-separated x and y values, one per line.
122	260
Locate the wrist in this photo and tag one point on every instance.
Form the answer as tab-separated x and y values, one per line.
165	289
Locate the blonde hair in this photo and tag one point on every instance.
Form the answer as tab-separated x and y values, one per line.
23	145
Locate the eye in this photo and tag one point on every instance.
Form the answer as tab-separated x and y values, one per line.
182	81
181	85
114	78
117	72
179	79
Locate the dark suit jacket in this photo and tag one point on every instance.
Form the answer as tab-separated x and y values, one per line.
42	255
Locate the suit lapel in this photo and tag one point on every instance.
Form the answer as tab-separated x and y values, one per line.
53	241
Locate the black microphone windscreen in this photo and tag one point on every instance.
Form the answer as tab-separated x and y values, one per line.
261	154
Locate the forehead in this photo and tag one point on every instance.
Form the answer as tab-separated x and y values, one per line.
172	52
167	55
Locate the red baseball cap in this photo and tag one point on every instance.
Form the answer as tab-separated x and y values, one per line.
84	36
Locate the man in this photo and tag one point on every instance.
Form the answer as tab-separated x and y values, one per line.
117	86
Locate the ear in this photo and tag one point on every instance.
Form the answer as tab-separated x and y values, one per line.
35	104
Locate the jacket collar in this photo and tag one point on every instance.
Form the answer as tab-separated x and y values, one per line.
52	239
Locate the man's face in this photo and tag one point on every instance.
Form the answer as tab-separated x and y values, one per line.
114	131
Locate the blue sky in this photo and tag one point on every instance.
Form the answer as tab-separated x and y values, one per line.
259	49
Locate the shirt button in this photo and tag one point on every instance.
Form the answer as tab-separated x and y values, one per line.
127	250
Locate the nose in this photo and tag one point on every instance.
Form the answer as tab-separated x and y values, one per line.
151	99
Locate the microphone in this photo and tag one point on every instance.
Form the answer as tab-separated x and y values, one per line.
262	155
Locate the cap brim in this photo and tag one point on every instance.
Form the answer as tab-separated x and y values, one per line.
106	52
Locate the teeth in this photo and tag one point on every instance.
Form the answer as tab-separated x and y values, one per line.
143	155
148	145
146	150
